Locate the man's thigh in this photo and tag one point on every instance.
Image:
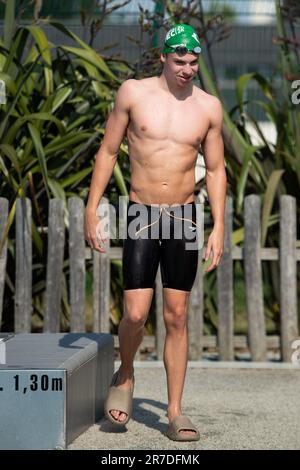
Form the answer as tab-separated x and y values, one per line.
178	265
140	263
137	302
175	300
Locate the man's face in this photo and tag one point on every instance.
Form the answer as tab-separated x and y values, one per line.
182	67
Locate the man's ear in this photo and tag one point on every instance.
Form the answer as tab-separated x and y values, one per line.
163	58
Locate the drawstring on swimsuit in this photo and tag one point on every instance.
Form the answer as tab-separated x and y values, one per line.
181	218
149	225
170	215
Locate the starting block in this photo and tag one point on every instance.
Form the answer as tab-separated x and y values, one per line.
52	387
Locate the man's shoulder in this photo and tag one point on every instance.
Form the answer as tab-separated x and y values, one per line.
129	85
133	84
133	91
128	93
139	84
133	88
207	98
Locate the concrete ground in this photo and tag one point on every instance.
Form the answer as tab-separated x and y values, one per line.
234	405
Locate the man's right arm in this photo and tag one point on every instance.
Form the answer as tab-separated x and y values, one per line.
106	158
108	153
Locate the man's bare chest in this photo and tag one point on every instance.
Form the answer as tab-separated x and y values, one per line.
161	119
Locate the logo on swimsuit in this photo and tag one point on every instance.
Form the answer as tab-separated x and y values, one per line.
193	229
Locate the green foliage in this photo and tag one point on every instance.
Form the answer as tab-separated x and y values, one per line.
58	99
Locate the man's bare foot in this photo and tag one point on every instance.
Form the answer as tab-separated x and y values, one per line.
124	382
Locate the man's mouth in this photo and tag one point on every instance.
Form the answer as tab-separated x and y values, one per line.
185	79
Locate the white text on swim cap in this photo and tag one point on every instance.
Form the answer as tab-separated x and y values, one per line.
194	35
174	32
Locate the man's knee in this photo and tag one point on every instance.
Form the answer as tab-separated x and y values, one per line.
137	318
176	317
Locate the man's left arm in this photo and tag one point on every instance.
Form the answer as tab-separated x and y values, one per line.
216	181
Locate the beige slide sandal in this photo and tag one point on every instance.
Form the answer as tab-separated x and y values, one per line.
182	423
118	399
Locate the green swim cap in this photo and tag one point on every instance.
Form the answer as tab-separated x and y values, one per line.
183	37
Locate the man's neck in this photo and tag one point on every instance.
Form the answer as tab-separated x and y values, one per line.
178	92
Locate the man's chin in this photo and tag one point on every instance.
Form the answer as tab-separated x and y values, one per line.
184	81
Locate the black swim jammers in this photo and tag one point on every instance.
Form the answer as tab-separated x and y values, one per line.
160	234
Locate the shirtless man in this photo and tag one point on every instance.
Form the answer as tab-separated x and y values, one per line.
166	118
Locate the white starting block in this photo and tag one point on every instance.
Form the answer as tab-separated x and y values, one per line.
52	387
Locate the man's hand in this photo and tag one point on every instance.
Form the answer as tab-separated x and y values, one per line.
93	231
215	246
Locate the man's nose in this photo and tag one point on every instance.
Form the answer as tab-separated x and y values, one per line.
187	70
